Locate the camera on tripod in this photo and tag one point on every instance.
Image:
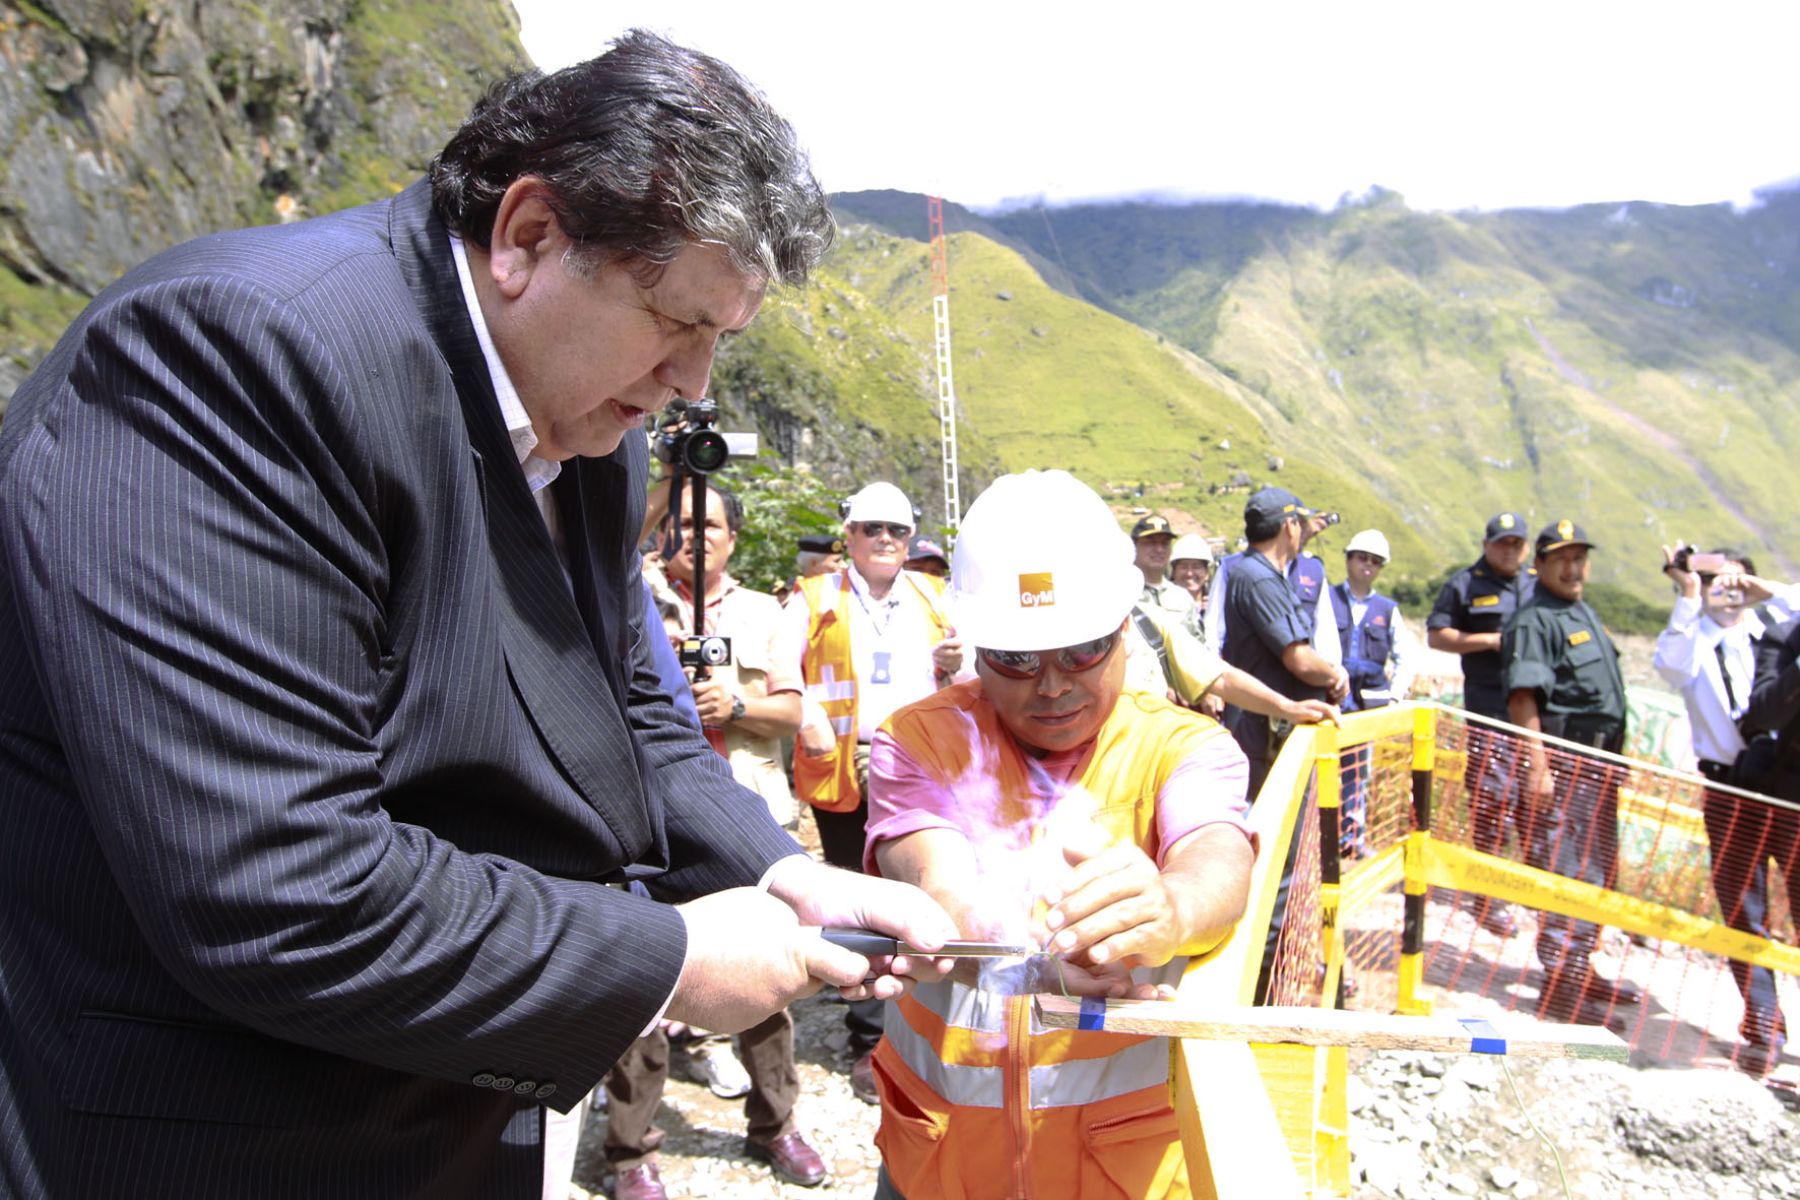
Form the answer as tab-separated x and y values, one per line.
686	439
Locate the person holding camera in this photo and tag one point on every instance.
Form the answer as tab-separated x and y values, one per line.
1707	653
1562	678
865	641
747	699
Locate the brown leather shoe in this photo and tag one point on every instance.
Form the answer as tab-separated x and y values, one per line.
862	1079
791	1158
639	1183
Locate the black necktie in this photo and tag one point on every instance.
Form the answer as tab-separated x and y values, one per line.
1731	703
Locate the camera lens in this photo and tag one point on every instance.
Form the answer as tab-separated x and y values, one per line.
714	652
706	451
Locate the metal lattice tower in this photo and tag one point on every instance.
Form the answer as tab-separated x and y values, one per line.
940	318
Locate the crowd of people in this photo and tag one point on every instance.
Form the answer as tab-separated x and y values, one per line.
384	769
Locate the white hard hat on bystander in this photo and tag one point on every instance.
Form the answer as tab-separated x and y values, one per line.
1370	541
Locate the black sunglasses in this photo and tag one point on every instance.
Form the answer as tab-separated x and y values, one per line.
874	529
1029	664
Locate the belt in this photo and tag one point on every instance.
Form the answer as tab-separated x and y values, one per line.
1717	772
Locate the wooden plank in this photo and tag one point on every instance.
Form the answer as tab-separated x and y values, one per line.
1229	1131
1510	1033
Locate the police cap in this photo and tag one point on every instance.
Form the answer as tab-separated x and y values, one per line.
1563	533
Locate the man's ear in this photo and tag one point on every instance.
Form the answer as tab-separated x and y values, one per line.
526	236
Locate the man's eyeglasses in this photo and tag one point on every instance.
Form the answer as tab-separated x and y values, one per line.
1029	664
874	529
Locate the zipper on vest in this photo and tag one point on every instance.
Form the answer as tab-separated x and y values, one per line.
1018	1089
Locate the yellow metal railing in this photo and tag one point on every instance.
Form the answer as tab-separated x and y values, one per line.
1270	1121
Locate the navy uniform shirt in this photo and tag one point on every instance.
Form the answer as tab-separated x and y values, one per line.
1262	618
1476	600
1559	649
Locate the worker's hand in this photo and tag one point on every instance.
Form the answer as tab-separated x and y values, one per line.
947	656
815	739
1113	906
1339	687
1212	705
1111	981
713	702
822	895
1310	712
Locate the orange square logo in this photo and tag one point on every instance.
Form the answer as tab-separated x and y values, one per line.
1037	590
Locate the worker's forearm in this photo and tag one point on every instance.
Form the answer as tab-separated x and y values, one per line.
1207	875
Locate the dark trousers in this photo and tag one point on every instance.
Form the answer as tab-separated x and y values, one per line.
1491	774
1578	837
841	837
1742	835
634	1090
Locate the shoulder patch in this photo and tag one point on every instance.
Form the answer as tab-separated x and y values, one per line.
1580	636
1474	601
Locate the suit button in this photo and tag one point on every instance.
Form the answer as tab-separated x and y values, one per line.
485	1079
502	1083
546	1090
524	1087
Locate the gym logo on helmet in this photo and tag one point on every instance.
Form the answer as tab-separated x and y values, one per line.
1037	590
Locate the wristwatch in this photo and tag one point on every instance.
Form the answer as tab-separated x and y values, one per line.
737	708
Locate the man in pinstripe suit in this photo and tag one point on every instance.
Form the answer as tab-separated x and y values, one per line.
325	705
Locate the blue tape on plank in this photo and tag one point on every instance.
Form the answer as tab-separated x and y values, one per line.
1093	1014
1485	1039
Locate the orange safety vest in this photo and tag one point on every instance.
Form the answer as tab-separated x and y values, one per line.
978	1101
828	781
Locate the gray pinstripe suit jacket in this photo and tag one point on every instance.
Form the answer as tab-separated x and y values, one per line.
310	755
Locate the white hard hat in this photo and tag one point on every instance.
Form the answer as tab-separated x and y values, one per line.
880	502
1191	545
1041	564
1370	541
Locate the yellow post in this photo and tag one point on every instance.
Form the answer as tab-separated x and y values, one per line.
1412	935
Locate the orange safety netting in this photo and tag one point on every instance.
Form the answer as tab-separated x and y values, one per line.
1666	887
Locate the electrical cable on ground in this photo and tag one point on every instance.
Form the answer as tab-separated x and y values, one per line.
1561	1176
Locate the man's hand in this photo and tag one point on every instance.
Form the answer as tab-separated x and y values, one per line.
1212	705
1112	981
748	957
1112	907
947	656
1686	582
1339	687
713	701
1755	588
1540	790
822	895
1310	712
815	739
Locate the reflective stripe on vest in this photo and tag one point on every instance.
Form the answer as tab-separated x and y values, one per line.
959	1041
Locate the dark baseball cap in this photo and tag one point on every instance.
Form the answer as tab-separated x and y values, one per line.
1507	524
822	543
923	547
1150	525
1563	533
1271	506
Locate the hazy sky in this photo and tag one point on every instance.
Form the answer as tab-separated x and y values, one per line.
1454	104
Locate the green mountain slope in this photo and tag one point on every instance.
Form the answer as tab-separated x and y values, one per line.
1635	366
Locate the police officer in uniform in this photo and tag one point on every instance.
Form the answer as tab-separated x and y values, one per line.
1562	678
1471	610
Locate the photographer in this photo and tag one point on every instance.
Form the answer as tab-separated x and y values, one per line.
746	704
1707	654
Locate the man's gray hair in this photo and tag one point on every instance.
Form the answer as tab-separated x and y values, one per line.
647	149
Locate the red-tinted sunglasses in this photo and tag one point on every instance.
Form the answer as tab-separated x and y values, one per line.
1028	664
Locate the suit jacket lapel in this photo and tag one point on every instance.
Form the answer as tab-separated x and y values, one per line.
553	655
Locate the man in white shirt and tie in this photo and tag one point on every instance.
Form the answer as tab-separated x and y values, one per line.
1705	653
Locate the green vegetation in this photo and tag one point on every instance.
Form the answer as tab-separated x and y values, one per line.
780	505
1633	366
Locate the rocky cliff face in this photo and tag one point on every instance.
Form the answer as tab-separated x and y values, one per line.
129	125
